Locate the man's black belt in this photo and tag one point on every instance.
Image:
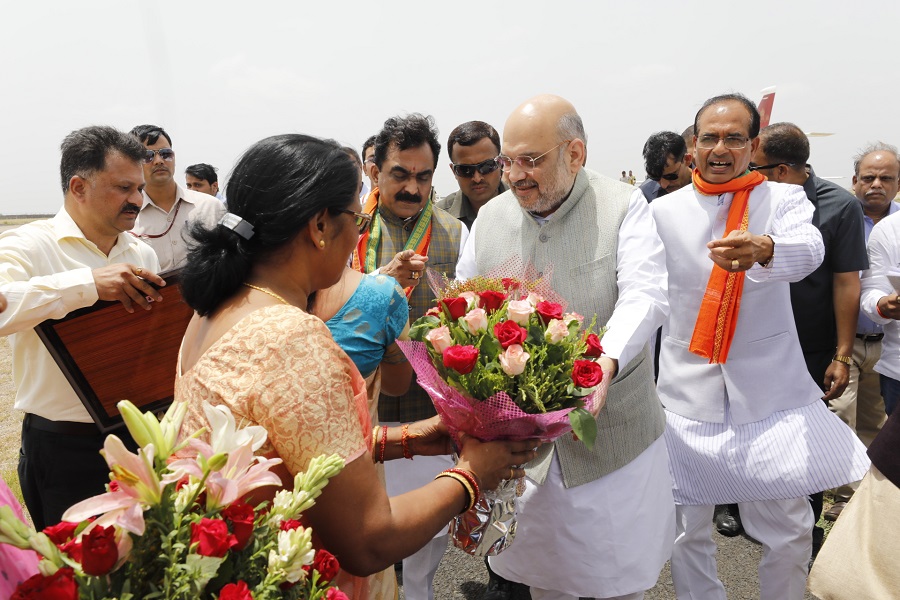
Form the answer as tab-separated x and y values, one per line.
64	427
869	337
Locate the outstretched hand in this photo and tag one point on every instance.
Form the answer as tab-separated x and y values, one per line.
406	267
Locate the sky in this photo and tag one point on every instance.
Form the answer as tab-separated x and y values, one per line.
219	76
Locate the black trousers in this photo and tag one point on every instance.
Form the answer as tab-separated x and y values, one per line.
57	470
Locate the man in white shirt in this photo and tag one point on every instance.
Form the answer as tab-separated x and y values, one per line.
745	423
51	268
169	210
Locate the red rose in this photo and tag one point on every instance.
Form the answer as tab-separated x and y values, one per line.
490	300
326	564
241	517
549	311
509	333
455	307
461	358
72	548
510	283
60	533
587	373
213	537
235	591
99	551
59	586
290	525
335	594
594	349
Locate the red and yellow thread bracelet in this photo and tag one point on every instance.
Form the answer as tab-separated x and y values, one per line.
404	441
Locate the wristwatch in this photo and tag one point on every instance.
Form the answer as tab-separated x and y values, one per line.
844	359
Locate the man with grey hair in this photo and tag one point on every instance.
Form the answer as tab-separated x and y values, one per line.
592	523
50	268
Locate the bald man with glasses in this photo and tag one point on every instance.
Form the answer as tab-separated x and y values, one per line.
473	148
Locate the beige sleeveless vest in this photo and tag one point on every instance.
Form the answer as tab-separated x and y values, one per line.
579	242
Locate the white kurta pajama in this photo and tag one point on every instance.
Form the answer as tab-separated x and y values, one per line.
609	537
754	429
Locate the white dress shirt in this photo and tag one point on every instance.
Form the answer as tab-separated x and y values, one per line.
189	206
884	256
46	273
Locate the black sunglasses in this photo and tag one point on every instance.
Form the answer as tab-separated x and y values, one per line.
362	219
468	171
772	166
669	177
164	153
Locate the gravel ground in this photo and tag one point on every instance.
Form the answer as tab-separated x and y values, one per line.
463	577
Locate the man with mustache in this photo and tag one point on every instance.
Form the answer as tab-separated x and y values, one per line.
745	420
592	523
473	148
407	231
47	270
169	209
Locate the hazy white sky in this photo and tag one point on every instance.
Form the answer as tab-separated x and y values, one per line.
222	75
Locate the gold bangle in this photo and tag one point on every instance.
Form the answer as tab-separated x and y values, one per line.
844	359
375	434
470	501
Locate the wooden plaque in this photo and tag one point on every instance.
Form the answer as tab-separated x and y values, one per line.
109	354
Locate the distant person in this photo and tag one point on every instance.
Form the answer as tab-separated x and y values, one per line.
667	163
631	178
473	148
202	178
370	181
168	208
49	269
624	177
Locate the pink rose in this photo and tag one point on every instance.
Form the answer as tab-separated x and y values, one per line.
462	359
569	317
519	311
335	594
556	331
534	299
471	299
440	338
513	360
476	320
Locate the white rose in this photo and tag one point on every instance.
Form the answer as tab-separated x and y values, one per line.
519	311
440	338
556	331
476	320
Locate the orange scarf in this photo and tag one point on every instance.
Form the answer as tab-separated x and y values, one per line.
364	257
718	315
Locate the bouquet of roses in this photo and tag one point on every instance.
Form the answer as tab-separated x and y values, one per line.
180	528
501	359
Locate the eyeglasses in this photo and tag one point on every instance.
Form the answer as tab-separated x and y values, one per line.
468	171
772	166
164	153
708	142
362	219
525	163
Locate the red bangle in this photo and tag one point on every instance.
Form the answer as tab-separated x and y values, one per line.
471	478
878	310
404	441
384	431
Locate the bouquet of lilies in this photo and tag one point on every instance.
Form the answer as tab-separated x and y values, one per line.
180	528
502	359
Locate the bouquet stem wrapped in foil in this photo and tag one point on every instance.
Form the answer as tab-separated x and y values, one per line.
490	527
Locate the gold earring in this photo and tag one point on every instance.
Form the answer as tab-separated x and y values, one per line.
321	243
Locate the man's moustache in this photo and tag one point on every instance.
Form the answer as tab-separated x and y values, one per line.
131	208
408	198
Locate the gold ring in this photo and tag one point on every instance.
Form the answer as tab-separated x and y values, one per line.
512	473
138	271
414	275
735	264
